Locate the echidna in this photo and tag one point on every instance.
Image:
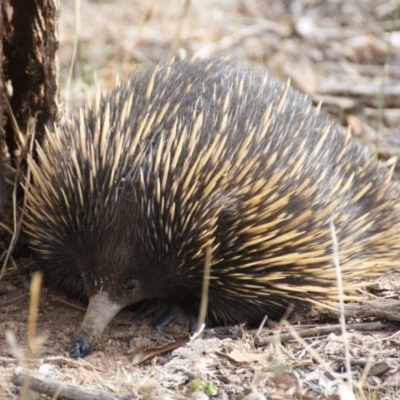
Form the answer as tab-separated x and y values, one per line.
196	155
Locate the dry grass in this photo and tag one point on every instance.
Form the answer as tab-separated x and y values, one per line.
339	52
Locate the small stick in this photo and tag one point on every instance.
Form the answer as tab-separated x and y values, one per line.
320	330
68	391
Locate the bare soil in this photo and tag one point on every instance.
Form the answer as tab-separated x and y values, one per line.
343	53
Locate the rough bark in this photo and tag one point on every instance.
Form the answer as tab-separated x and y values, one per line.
28	79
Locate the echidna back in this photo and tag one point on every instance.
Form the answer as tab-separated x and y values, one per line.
205	155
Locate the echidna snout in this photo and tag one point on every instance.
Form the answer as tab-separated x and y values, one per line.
128	196
100	312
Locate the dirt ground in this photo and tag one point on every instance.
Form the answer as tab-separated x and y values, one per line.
345	54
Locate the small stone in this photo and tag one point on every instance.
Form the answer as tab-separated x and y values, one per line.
199	396
254	396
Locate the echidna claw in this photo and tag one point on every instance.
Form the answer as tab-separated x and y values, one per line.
80	348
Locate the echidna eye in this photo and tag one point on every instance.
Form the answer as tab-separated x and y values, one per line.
131	285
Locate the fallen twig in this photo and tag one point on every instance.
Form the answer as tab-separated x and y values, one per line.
378	308
320	330
68	391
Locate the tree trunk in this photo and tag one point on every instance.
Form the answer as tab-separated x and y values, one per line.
28	101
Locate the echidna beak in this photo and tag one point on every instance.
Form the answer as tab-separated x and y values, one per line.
100	312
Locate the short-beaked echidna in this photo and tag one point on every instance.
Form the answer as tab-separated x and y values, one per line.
128	196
